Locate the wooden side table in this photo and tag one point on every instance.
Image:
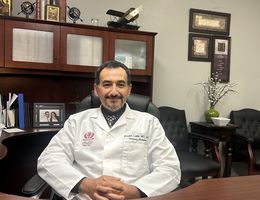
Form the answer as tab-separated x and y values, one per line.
224	133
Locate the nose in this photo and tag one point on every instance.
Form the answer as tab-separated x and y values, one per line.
114	90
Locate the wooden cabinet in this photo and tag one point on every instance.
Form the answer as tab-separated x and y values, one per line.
56	61
1	43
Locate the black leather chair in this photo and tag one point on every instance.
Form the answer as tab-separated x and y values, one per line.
192	163
20	162
247	141
136	101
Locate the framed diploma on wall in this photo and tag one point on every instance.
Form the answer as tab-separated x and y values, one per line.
210	22
199	47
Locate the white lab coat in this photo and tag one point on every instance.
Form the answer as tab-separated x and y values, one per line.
135	149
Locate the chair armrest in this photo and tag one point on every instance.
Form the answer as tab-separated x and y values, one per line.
34	187
245	138
206	138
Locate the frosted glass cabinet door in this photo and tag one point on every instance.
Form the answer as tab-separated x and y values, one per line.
131	53
31	45
1	43
135	50
83	49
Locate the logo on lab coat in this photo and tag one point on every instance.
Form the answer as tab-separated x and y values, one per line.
88	138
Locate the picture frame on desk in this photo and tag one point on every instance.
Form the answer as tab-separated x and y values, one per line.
200	46
211	22
52	13
48	115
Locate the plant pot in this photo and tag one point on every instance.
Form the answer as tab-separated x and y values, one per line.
211	113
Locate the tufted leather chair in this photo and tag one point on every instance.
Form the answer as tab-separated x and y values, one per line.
192	163
247	141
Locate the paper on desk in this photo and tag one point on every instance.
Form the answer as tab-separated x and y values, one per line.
10	113
13	130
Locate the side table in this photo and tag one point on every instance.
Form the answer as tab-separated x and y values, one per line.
224	133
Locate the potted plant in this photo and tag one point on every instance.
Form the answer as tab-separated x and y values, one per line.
215	91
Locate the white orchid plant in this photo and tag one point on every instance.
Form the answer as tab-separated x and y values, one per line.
216	90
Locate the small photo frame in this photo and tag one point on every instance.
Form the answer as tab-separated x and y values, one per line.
221	58
48	115
199	47
52	13
205	21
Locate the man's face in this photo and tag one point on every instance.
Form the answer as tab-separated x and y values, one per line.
47	114
113	89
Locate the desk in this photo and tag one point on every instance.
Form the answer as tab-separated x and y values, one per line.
232	188
4	135
224	133
13	197
19	161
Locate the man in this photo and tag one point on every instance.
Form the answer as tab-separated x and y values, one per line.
46	117
111	152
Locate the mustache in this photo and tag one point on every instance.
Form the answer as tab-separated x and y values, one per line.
114	97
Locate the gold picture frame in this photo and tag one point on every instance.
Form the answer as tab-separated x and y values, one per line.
52	13
205	21
6	7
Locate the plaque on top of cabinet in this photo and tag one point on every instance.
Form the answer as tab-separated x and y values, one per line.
5	7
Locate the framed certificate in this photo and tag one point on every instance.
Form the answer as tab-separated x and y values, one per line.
221	58
52	13
210	22
199	47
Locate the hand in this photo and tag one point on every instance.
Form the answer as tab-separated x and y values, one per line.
108	188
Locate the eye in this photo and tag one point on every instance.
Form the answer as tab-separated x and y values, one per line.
106	84
121	84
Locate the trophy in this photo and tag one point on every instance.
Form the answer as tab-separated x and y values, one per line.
27	8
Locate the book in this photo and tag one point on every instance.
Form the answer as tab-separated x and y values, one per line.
38	9
21	110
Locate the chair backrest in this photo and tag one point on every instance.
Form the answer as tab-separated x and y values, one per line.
248	121
135	101
175	126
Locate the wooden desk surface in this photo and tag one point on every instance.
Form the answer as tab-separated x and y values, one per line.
4	135
232	188
12	197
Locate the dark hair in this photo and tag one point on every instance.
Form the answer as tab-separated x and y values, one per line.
112	64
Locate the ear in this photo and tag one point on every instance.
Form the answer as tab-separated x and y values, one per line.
129	89
95	89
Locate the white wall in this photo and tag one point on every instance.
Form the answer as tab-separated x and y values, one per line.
174	76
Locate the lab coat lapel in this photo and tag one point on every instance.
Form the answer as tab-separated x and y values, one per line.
101	121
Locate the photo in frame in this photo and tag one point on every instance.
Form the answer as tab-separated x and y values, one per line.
48	115
220	63
200	47
52	13
211	22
